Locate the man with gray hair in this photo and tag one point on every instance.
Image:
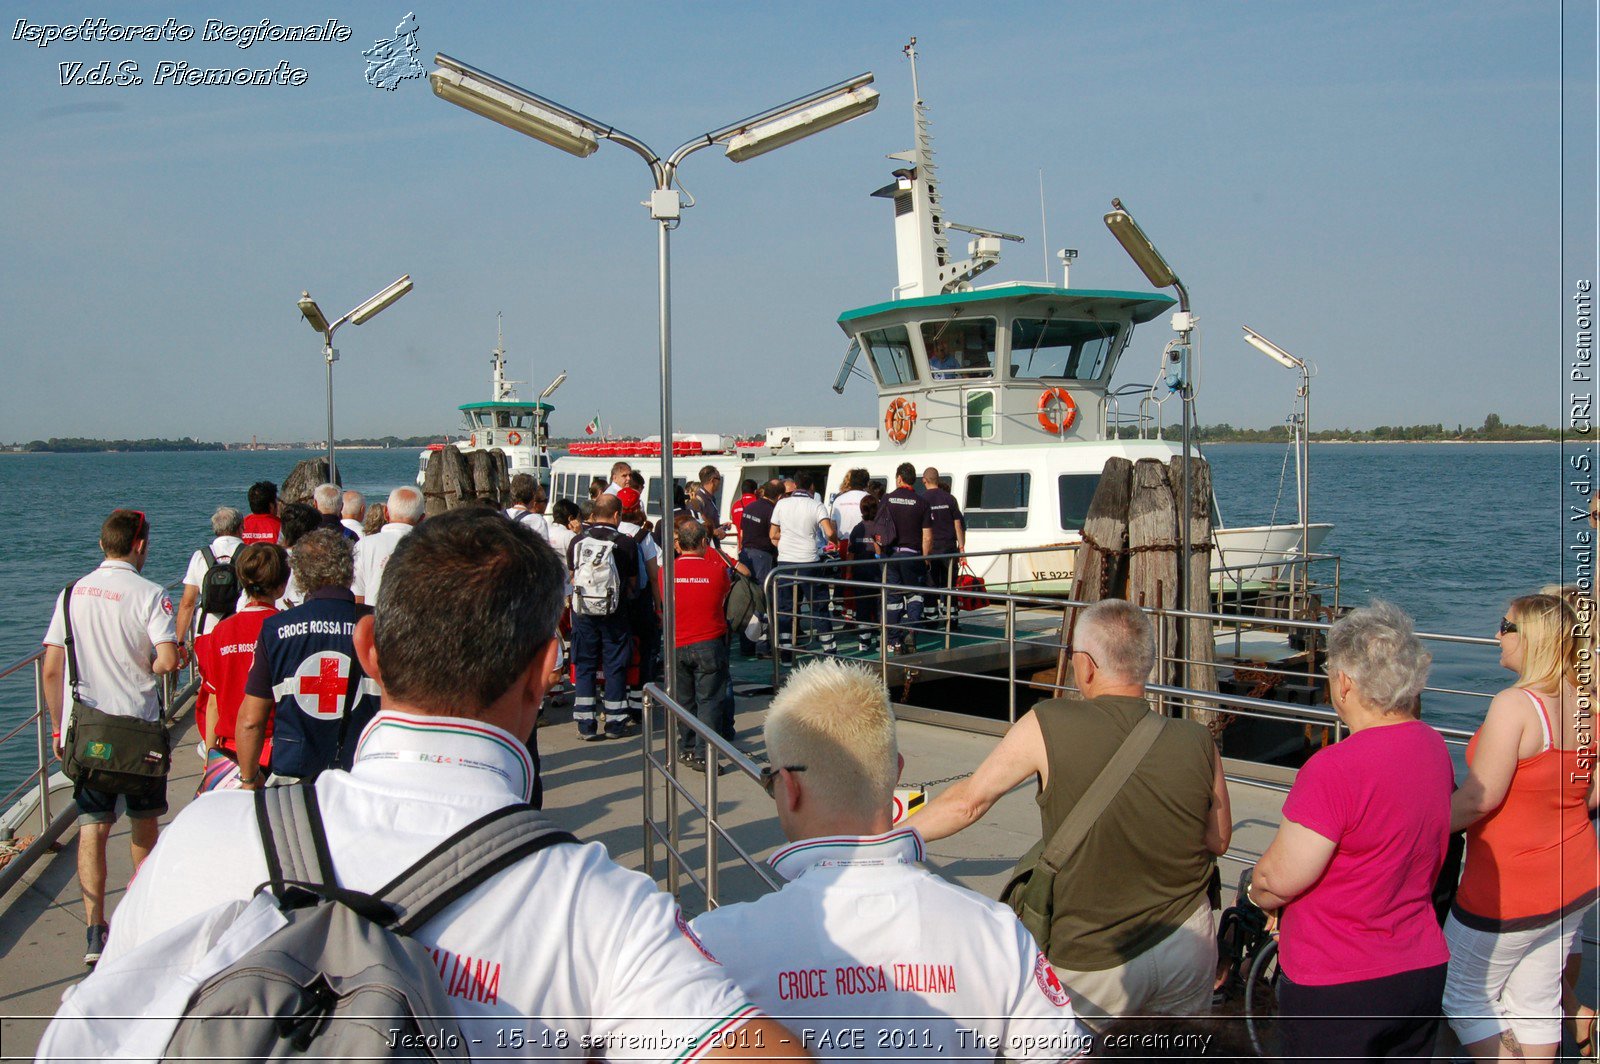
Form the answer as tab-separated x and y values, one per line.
863	939
353	512
329	501
372	553
225	525
1131	926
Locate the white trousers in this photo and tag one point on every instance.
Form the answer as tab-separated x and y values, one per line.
1511	980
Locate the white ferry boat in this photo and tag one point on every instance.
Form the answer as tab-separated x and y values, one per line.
1005	389
520	428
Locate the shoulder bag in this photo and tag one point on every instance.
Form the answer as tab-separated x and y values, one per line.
105	752
1030	892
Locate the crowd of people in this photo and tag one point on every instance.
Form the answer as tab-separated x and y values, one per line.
394	671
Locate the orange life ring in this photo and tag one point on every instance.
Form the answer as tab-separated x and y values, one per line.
513	437
474	440
1049	399
899	418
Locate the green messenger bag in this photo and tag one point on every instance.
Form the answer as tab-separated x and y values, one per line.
108	753
1030	892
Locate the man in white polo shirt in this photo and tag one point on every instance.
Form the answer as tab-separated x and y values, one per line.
801	528
225	526
563	953
353	513
372	553
864	952
123	642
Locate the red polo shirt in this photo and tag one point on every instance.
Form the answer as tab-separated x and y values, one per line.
260	528
224	656
700	583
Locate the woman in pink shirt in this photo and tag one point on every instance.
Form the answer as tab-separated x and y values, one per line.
1353	867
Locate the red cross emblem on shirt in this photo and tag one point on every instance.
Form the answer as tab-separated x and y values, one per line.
321	682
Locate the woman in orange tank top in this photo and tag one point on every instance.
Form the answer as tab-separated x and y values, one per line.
1532	863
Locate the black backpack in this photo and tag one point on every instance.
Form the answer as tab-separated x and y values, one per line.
219	588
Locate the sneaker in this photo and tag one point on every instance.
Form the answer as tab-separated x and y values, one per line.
617	731
96	938
589	734
696	763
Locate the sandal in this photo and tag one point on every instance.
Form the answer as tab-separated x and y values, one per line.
1583	1026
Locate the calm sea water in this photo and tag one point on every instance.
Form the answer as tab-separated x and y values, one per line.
1449	532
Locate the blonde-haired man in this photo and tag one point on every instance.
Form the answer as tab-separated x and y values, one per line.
862	931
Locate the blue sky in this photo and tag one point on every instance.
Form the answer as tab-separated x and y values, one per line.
1375	186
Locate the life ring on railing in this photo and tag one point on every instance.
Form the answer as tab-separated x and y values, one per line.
1049	401
898	419
513	437
474	441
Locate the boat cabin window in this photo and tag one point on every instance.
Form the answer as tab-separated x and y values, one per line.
890	352
652	494
1042	349
959	350
980	414
997	500
1075	490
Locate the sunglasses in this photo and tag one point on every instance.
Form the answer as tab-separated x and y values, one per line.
769	775
144	523
1507	627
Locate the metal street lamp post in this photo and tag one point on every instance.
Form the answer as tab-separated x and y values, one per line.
561	127
1302	451
359	316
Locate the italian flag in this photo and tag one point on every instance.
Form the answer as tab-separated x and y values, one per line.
593	427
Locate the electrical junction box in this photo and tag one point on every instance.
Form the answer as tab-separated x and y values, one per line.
665	204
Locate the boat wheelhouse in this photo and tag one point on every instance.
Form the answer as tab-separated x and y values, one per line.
518	427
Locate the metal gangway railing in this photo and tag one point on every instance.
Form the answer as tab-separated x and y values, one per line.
52	815
1013	631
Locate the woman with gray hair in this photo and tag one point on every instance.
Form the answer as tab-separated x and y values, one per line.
1353	866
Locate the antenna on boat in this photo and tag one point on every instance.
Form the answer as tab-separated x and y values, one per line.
1044	228
922	249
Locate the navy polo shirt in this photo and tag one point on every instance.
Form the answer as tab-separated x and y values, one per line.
909	512
943	513
306	666
756	525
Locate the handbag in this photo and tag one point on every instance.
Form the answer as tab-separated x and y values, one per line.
1031	889
970	590
105	752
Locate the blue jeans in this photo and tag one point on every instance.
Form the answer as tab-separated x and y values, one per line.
792	597
905	607
600	644
703	688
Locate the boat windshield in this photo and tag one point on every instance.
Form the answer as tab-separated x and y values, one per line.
1042	349
513	419
890	352
959	350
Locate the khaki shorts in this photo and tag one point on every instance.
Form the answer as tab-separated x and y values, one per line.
1174	977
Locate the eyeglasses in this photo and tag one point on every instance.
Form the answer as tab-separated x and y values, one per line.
769	775
1088	655
1507	626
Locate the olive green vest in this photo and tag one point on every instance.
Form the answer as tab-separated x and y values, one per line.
1144	866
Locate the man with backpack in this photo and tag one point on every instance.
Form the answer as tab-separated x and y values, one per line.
210	583
527	505
517	937
605	574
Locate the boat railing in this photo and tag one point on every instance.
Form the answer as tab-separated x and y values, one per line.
30	825
1015	641
1145	419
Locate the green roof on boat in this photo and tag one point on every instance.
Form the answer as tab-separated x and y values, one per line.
509	405
1142	305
